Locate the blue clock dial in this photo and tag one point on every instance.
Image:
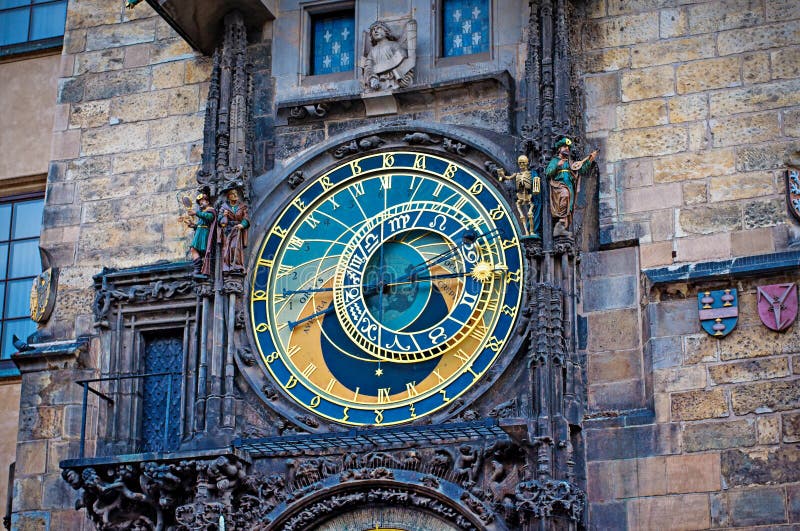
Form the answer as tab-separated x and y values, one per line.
386	288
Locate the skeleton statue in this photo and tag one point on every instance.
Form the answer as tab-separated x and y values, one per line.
389	58
527	186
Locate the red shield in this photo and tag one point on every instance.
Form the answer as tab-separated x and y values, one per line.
777	305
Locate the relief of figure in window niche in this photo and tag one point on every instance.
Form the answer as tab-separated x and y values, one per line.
390	54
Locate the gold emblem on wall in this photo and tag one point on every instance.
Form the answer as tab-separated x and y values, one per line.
43	295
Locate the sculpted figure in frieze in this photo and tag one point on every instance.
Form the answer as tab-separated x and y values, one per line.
234	221
564	176
389	56
202	218
527	186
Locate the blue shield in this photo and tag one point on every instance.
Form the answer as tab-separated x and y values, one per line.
719	311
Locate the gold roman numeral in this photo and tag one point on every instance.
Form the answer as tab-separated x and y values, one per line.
312	221
383	395
309	370
411	389
294	349
295	243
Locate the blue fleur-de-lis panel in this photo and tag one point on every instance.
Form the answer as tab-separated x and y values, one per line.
333	43
466	27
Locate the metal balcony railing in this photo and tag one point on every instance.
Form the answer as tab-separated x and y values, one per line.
165	444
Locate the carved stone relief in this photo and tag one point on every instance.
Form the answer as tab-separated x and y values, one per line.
390	55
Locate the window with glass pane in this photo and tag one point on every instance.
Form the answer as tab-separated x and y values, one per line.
332	42
31	20
20	222
465	27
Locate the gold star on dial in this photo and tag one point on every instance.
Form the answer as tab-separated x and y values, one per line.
378	372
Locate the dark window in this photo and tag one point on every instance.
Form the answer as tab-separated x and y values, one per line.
31	24
161	406
20	223
465	27
332	42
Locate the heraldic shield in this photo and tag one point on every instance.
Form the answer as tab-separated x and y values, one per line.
777	306
719	311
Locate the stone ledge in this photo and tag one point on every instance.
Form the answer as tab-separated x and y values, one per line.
636	417
745	266
330	100
153	456
42	355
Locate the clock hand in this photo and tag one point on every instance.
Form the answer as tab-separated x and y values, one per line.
442	276
489	235
307	318
468	238
380	266
289	292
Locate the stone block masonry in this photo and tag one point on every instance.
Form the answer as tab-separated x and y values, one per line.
132	96
706	95
128	135
719	447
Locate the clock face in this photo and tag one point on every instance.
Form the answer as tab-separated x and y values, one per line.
386	288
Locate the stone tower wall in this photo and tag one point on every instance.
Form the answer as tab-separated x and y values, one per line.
697	106
128	136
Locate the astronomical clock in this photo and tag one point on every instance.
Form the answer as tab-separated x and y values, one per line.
386	288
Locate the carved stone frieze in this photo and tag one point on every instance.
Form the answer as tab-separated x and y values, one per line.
476	506
318	110
107	294
505	409
203	289
366	473
541	499
419	138
342	501
295	179
356	146
154	495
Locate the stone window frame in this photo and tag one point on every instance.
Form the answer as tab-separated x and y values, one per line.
28	45
121	431
440	60
141	304
307	12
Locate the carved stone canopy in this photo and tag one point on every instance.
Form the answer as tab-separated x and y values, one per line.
198	21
